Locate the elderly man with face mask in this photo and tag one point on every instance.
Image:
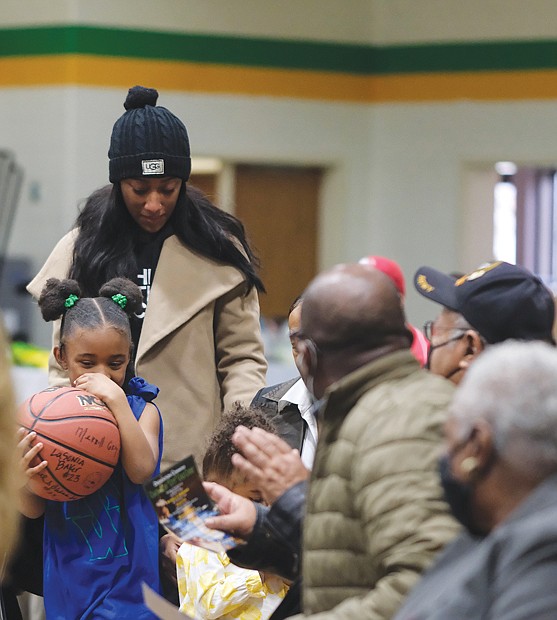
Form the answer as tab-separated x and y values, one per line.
500	477
496	302
375	516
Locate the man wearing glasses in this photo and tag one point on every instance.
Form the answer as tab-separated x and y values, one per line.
496	302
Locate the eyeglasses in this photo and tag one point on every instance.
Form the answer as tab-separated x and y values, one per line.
298	338
428	330
428	333
294	337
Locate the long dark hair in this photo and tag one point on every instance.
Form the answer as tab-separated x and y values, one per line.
104	245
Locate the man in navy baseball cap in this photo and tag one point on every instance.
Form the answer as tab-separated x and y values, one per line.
496	302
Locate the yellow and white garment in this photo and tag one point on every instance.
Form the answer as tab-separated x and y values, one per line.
210	586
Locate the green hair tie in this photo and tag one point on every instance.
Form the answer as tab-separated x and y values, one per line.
121	300
70	301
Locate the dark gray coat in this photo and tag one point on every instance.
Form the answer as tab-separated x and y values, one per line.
509	575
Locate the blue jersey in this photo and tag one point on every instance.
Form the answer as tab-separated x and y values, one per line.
99	549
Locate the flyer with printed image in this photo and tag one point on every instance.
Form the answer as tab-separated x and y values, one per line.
183	506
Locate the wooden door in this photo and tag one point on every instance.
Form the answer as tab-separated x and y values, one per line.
207	183
279	206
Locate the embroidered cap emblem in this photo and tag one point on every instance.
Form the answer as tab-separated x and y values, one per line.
152	166
424	284
469	277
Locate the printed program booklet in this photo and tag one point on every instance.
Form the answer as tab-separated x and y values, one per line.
182	506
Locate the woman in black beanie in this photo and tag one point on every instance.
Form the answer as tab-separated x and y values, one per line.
198	338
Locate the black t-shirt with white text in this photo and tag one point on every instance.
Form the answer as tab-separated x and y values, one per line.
147	250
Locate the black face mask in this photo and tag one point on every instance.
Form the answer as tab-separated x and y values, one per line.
458	495
432	348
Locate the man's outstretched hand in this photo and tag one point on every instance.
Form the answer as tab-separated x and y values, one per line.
268	462
237	514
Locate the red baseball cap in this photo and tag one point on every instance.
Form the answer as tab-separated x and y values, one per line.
389	268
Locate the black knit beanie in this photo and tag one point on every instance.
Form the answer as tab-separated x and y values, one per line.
148	140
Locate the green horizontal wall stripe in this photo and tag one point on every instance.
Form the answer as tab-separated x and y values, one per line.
184	47
455	57
274	53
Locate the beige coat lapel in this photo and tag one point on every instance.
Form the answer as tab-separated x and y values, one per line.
184	283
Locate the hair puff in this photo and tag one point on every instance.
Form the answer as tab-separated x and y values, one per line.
54	295
125	287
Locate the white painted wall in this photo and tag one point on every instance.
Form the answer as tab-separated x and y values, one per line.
422	155
425	21
397	171
334	20
355	21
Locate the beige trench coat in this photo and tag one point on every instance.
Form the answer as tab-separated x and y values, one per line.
200	342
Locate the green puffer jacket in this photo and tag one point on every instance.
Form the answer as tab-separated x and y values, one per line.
375	515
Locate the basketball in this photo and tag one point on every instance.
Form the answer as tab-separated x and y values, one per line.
80	438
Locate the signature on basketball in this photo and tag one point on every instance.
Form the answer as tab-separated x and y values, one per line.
83	434
52	488
68	462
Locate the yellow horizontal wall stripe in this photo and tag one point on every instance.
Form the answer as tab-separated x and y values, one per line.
325	86
482	86
184	76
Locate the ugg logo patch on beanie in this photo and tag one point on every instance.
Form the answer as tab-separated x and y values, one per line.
152	166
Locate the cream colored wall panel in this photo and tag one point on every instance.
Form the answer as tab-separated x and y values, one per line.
358	21
37	125
37	12
422	155
334	20
475	215
425	21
